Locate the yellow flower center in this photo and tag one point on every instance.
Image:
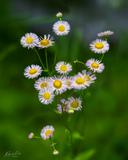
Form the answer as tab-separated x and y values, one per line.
44	42
44	84
68	83
33	71
99	45
80	81
46	95
48	132
75	104
63	68
87	78
61	28
57	84
95	65
29	40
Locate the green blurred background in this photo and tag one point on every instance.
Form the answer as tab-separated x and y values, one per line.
103	127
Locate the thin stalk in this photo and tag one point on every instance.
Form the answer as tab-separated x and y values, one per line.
79	62
39	58
56	50
57	116
46	59
102	57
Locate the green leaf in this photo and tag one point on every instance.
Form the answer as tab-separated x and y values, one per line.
85	155
76	135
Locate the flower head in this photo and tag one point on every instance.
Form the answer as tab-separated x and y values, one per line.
45	42
46	132
31	135
42	82
95	65
79	82
63	107
63	67
30	40
61	28
87	76
105	34
46	95
74	104
58	84
68	82
99	46
32	71
59	15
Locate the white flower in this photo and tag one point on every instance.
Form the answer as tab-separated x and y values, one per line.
46	96
105	33
68	82
87	76
95	65
63	67
30	40
99	46
64	106
61	28
32	71
79	82
42	82
74	104
58	84
45	42
46	132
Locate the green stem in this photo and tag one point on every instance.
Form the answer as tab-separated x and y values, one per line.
79	62
40	59
46	59
57	116
102	57
68	129
37	137
56	50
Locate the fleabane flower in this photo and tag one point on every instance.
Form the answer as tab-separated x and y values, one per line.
32	71
63	67
45	42
79	82
95	65
46	96
31	135
105	34
30	40
74	104
42	82
68	82
61	28
46	132
88	77
63	107
99	46
58	84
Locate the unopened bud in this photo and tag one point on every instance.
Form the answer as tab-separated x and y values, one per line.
31	135
55	152
70	111
59	15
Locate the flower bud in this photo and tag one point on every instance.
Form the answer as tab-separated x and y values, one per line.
59	15
70	111
55	152
31	135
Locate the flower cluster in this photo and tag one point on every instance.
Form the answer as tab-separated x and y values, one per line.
54	85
